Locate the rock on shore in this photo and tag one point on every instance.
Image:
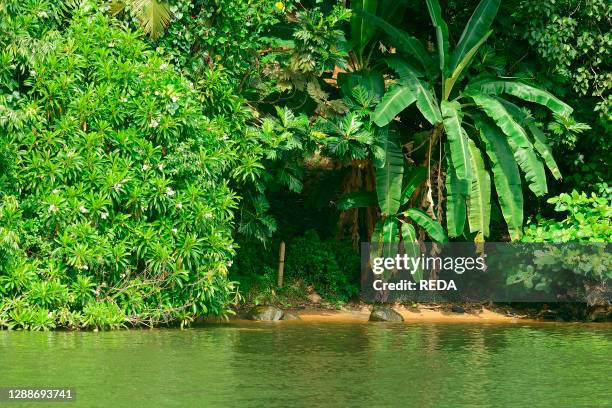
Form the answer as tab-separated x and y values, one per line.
385	314
290	316
265	313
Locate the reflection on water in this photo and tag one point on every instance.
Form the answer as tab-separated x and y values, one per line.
314	365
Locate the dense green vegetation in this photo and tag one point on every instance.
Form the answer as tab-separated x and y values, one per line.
154	154
113	202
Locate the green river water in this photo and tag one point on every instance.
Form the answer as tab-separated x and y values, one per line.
319	365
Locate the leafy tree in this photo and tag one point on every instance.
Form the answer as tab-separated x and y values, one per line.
566	46
577	43
243	58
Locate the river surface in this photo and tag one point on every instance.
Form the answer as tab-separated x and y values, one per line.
319	365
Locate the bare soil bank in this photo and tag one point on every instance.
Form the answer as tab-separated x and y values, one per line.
360	313
356	314
449	313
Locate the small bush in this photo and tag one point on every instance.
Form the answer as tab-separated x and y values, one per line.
331	267
561	264
587	219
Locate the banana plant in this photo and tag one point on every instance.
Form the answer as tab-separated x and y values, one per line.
480	126
395	184
363	35
394	180
363	45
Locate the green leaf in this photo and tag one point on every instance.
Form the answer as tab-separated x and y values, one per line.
506	175
389	177
540	142
412	180
541	145
411	247
435	12
392	11
524	153
385	238
479	201
361	31
379	151
457	141
524	91
390	232
427	104
395	101
404	42
455	200
475	30
425	96
154	15
408	233
464	63
403	68
433	228
372	81
360	199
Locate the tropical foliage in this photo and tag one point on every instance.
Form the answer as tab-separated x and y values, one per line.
328	267
112	200
142	140
571	254
479	120
573	48
587	219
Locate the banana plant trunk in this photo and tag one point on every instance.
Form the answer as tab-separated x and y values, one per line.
358	223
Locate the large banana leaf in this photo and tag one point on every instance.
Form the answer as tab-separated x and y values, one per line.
389	177
524	91
361	31
390	233
461	66
524	152
359	199
392	11
426	102
455	200
403	68
541	145
475	30
433	228
425	95
435	12
412	180
398	98
506	175
408	233
404	42
540	142
479	201
379	149
457	140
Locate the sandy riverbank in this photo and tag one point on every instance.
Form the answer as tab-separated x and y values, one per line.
362	314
